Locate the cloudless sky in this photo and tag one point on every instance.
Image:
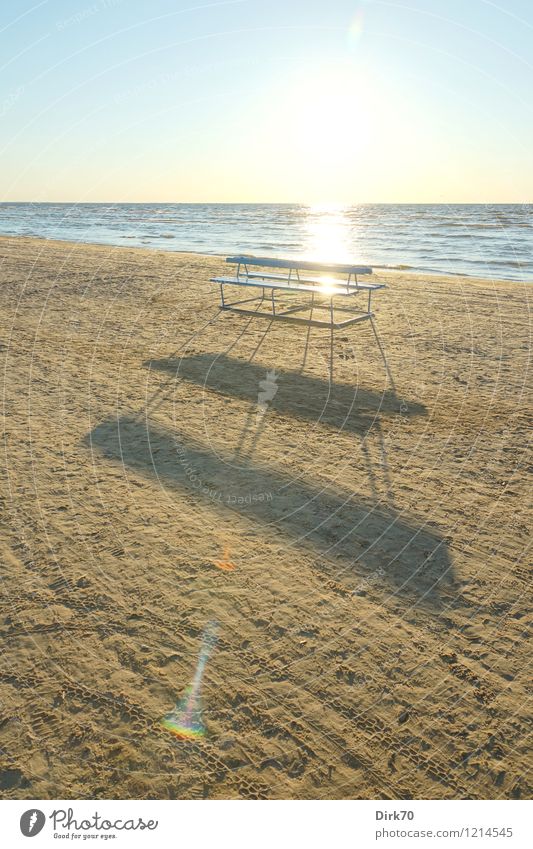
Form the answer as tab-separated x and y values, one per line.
266	100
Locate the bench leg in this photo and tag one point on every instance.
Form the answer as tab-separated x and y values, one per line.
382	352
331	342
308	332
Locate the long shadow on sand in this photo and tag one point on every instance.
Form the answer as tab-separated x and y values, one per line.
355	542
298	394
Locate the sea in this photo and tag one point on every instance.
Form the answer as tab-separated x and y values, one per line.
493	241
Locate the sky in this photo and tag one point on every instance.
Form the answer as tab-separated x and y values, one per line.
297	101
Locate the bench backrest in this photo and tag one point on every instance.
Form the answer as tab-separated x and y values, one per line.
298	264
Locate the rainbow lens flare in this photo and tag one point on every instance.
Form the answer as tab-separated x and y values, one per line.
185	721
225	564
356	26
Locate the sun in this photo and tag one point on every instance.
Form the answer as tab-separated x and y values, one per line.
319	131
328	110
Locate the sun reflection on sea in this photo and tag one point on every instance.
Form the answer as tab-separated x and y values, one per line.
327	234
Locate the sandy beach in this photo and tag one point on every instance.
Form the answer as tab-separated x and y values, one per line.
362	550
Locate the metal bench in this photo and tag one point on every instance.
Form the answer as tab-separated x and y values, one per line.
328	282
341	280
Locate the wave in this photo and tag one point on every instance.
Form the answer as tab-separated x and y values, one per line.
479	240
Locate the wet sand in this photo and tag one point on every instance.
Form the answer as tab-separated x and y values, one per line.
361	549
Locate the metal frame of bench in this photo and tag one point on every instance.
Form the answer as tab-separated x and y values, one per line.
326	289
322	291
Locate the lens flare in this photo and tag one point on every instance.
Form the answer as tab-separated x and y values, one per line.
185	721
225	563
355	28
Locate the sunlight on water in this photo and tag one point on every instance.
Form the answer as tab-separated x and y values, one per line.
328	235
482	240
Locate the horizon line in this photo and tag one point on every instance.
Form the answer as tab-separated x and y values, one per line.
271	203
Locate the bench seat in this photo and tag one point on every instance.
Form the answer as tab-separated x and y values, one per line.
321	280
280	282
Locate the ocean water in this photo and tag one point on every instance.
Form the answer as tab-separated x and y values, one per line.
493	241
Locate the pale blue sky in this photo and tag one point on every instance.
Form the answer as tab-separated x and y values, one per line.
263	100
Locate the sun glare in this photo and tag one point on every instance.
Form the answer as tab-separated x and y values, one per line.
327	234
331	138
328	110
328	285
